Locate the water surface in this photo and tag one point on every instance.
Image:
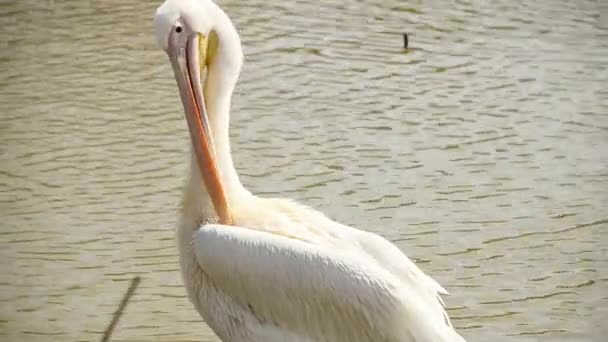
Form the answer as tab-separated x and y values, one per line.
481	152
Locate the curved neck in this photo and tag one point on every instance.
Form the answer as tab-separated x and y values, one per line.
222	74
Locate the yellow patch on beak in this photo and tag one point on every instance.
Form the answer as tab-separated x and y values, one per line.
202	49
207	48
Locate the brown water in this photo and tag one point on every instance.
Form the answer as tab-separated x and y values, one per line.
481	151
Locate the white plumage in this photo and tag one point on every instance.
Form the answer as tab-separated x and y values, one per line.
272	270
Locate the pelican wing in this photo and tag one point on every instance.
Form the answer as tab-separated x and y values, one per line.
282	284
425	288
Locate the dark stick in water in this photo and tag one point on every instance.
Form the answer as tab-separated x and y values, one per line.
123	304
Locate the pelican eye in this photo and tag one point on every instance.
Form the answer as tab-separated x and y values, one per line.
178	29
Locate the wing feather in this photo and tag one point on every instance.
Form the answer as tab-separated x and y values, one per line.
425	288
324	294
300	287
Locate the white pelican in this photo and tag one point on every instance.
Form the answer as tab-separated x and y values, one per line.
269	270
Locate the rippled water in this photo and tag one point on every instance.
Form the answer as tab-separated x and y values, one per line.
481	151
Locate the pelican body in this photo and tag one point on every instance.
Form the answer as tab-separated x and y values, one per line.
269	270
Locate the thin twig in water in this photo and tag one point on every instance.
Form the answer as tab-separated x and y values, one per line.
123	304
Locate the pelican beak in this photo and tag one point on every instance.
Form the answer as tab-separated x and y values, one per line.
189	63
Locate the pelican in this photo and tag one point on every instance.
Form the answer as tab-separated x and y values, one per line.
265	269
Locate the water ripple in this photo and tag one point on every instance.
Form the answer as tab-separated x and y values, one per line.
478	150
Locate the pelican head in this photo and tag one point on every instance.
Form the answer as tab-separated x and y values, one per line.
186	31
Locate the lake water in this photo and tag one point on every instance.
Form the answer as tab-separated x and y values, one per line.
481	152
